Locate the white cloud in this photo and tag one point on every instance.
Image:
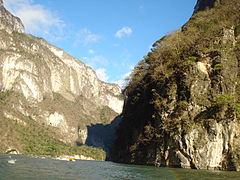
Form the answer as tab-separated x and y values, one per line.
37	19
125	31
85	37
123	81
96	61
90	51
101	74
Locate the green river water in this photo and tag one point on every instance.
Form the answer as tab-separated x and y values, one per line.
26	168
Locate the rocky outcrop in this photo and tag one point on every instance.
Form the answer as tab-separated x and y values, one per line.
50	87
9	22
182	103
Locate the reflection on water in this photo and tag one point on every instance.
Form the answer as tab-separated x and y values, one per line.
24	167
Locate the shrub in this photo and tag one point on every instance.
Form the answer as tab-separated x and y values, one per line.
228	100
4	95
218	67
237	30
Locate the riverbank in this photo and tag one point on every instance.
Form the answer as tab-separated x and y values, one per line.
75	157
61	157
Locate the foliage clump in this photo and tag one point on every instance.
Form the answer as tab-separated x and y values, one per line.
228	100
174	57
4	95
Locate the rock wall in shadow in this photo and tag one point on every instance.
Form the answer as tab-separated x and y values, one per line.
102	136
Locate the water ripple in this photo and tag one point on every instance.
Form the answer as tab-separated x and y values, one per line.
27	168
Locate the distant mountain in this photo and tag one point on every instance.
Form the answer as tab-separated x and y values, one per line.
45	90
182	106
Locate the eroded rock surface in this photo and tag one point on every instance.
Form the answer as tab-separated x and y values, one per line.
182	103
50	87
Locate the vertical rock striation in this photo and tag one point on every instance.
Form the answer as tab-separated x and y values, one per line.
49	86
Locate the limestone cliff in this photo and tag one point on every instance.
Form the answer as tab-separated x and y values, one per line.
8	22
182	103
50	87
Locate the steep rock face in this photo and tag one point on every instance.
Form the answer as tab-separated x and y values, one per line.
60	73
9	22
182	105
50	87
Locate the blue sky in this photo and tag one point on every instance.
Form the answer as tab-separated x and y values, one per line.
111	36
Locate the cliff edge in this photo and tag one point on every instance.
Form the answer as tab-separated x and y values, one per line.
182	105
9	22
44	88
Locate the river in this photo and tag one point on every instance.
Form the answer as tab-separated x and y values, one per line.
26	168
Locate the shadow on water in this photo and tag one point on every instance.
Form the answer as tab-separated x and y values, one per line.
102	136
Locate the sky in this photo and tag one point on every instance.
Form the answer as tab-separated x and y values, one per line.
111	36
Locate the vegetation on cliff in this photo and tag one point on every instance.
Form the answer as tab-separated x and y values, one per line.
190	80
29	137
49	100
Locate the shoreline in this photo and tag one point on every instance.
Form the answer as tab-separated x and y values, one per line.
60	157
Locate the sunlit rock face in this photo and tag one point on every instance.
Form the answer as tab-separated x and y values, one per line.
9	22
59	73
50	86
